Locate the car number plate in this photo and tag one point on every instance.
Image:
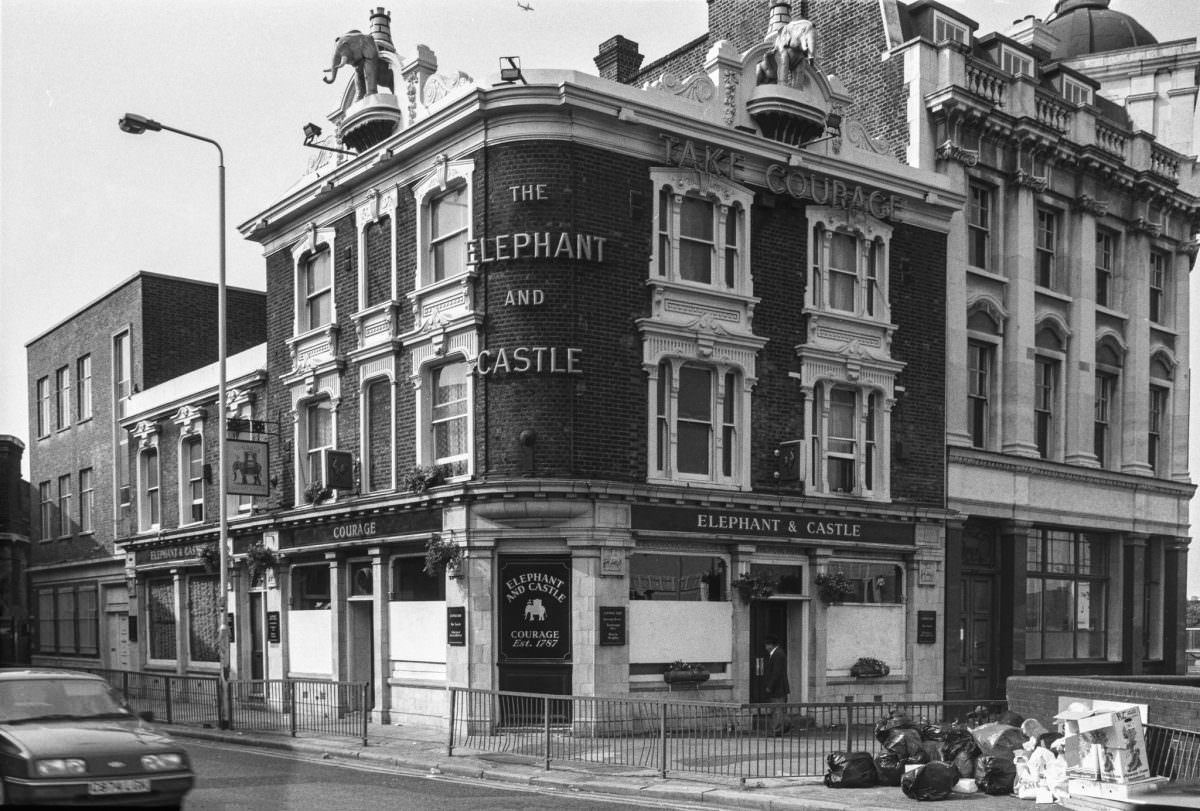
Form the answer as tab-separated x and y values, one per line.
118	787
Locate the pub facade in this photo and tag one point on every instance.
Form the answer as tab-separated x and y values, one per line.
567	381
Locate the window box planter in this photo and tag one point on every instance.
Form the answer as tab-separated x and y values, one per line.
683	673
868	668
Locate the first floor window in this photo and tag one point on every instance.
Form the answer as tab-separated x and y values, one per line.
1047	248
1066	594
1155	440
677	577
448	415
1105	387
1105	254
62	398
149	506
43	406
68	620
410	583
161	611
64	506
192	464
318	435
204	618
318	291
1045	394
46	513
979	391
1158	287
696	417
87	500
979	227
378	424
846	426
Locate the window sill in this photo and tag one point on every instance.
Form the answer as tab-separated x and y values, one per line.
1163	328
987	274
1111	313
1054	294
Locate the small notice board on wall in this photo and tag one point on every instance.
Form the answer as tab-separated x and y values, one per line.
926	626
456	625
612	625
272	626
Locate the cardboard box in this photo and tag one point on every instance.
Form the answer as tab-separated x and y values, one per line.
1105	744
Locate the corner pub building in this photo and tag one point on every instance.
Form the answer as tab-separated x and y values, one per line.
631	366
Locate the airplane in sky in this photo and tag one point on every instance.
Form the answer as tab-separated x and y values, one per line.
523	6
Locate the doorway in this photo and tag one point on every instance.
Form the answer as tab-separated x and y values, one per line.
258	640
768	618
116	634
361	644
977	618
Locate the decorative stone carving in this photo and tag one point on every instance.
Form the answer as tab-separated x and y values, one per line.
950	151
1030	181
1091	205
1147	226
697	87
440	85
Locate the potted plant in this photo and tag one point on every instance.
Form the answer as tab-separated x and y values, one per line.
754	587
259	558
442	556
834	587
210	556
680	671
421	477
869	668
316	492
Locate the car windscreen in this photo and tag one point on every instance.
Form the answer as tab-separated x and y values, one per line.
48	698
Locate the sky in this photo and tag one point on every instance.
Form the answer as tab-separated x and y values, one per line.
84	206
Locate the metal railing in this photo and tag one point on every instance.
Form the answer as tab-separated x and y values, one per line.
715	738
1174	753
276	705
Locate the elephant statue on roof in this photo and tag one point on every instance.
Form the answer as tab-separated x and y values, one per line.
789	45
358	50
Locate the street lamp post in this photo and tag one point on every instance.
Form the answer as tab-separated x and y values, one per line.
135	125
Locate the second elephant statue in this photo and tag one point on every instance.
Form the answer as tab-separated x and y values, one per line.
358	50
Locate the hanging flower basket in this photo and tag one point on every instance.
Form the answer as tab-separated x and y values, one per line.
315	493
754	587
684	672
210	557
442	557
259	559
834	587
422	477
868	668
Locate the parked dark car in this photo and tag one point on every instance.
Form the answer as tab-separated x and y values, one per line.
68	738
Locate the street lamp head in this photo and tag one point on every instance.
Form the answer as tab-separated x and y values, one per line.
137	124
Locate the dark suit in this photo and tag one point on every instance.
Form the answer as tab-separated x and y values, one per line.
777	687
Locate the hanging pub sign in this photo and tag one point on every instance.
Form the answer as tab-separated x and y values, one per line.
247	468
535	610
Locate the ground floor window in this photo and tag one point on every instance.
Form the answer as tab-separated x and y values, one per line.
203	618
161	615
1066	594
68	621
410	583
676	577
310	588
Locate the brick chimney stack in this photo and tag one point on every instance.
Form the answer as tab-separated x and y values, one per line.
781	15
381	29
619	60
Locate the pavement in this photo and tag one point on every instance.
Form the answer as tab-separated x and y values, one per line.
424	750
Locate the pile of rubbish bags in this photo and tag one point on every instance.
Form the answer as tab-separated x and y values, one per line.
1009	755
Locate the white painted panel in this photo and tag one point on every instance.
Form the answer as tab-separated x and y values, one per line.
418	631
693	631
876	631
310	642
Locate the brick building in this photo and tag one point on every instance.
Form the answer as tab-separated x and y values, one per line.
1073	140
81	374
14	554
628	366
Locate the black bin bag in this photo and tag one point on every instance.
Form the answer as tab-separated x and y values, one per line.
932	781
889	767
850	770
999	774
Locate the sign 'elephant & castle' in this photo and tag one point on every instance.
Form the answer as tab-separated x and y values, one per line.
535	615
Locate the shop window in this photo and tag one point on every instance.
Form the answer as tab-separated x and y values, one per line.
845	425
83	388
677	577
1152	606
161	614
68	620
204	622
872	582
310	588
448	432
191	468
698	423
410	583
1067	588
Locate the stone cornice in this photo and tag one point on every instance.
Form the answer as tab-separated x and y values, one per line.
1061	472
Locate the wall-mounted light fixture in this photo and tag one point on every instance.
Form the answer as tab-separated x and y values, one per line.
313	132
510	70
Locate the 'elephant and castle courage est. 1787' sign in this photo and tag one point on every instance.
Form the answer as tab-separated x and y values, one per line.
535	610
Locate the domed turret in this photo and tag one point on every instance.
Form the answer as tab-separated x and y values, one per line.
1089	26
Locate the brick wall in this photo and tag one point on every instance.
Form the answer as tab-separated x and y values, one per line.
281	304
1172	702
378	241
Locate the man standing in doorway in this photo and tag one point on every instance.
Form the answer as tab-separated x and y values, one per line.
776	685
